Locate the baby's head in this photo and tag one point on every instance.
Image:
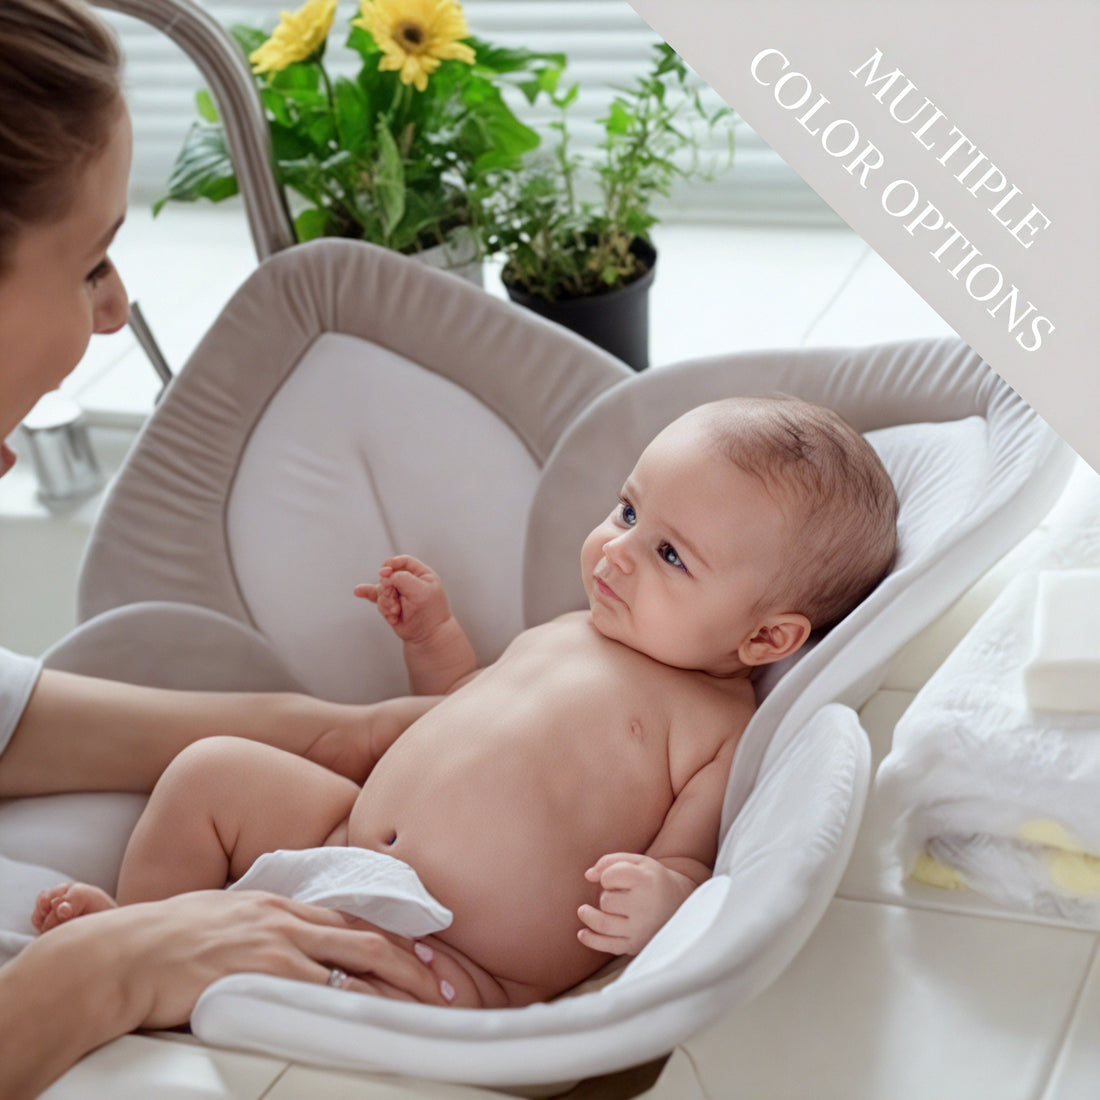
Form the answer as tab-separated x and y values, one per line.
744	525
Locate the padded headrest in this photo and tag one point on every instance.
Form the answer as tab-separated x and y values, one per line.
873	387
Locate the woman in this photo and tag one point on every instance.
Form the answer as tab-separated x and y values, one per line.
64	160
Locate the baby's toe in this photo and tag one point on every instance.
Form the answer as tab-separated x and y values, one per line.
44	917
81	898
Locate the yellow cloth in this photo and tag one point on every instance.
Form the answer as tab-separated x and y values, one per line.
1070	865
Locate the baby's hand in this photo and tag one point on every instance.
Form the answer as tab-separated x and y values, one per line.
638	895
410	597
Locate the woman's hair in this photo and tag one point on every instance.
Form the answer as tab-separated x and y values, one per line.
831	483
59	98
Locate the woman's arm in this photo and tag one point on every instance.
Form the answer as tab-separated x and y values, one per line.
103	975
78	733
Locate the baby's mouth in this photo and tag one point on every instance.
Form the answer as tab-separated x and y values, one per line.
606	591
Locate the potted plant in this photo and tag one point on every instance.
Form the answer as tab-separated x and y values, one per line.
574	231
403	154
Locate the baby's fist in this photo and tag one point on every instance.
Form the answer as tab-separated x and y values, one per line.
410	597
638	895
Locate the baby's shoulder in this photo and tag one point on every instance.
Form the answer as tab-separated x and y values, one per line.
713	712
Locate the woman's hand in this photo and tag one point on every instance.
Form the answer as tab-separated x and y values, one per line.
98	977
183	944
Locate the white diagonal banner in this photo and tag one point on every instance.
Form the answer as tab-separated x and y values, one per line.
959	138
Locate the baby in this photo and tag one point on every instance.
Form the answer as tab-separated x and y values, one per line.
565	800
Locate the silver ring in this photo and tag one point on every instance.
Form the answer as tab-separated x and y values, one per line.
336	978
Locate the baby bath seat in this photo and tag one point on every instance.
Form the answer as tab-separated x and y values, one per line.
349	403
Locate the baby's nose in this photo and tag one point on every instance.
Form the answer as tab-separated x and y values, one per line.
618	552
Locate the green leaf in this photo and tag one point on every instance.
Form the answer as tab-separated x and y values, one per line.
619	120
203	169
503	59
288	143
353	118
276	106
311	224
364	45
248	38
390	183
563	101
204	104
298	80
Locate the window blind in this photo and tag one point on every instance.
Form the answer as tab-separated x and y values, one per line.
607	45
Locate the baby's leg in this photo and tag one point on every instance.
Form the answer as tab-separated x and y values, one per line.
221	804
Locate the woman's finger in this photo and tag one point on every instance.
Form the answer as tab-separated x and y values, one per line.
368	954
313	914
378	987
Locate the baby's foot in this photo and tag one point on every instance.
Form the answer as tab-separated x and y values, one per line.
71	899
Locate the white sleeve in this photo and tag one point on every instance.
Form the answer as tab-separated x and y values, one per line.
18	675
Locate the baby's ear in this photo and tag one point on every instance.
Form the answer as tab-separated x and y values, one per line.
778	636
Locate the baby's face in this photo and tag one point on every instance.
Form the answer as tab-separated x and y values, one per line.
693	544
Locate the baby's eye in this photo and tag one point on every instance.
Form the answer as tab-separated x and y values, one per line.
668	555
627	514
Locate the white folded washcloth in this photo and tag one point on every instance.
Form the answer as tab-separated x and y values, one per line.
372	885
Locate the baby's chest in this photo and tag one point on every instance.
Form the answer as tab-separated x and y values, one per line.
700	732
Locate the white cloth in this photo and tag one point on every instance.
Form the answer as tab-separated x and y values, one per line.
1003	794
372	885
20	884
18	675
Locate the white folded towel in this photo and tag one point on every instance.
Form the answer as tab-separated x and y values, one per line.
367	884
980	782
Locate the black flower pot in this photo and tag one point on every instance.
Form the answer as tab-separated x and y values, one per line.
616	320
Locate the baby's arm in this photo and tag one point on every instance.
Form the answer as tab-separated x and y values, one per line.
640	892
411	598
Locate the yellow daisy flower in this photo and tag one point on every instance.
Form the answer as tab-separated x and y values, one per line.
416	35
299	35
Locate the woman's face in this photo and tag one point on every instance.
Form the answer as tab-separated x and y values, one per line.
61	287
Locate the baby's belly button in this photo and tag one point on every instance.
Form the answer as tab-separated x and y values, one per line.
379	840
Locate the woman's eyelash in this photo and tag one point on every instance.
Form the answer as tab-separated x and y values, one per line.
100	271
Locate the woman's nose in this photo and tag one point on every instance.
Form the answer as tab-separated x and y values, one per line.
112	307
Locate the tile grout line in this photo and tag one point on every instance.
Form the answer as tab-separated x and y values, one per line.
278	1077
1029	920
1072	1015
